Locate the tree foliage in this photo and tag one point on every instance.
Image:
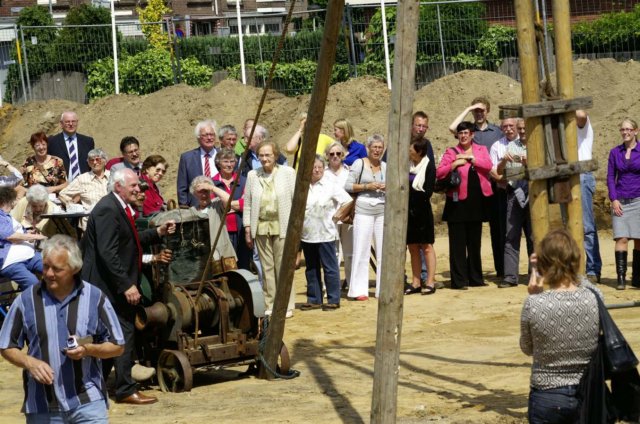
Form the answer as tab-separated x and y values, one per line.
149	18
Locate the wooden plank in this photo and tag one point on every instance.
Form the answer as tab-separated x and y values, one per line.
551	171
564	76
528	55
550	107
390	303
315	115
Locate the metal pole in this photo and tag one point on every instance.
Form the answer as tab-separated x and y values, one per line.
264	75
551	59
353	44
243	71
19	54
116	74
50	8
387	64
444	62
26	65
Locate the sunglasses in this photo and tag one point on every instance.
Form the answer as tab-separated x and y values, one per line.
332	154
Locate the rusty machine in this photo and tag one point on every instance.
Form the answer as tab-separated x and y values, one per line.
192	323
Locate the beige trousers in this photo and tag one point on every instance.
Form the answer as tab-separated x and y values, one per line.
270	249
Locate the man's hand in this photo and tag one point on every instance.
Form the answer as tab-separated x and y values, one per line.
40	370
168	227
133	295
77	353
164	256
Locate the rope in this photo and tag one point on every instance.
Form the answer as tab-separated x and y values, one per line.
245	155
261	345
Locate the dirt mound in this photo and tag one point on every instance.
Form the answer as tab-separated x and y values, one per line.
164	121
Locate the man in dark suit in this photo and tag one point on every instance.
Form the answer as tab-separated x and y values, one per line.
112	256
71	147
199	161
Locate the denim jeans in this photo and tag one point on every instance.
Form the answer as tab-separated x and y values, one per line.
554	406
316	256
23	272
591	243
91	413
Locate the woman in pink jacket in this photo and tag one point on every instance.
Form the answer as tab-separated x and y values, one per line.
464	206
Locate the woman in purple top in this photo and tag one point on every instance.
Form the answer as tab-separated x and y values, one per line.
623	182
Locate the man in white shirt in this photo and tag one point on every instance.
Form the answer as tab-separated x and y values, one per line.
587	189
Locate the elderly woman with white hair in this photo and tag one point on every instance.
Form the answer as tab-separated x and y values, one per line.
18	258
367	180
29	210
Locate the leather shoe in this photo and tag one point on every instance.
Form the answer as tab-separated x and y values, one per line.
138	398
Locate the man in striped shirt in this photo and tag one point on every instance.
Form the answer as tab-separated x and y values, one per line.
62	383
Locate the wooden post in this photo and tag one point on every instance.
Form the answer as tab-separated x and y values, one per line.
528	55
385	379
564	75
307	156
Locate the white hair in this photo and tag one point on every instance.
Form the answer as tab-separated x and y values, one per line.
68	112
261	132
198	180
97	153
375	138
203	124
118	177
69	245
37	194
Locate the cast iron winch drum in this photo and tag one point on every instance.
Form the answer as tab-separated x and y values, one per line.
187	324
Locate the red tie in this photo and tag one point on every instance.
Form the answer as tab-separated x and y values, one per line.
207	167
135	235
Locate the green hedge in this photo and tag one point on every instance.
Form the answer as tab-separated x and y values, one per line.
144	73
617	31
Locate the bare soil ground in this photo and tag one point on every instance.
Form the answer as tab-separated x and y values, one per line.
460	360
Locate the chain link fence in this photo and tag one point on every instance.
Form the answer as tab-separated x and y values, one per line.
77	62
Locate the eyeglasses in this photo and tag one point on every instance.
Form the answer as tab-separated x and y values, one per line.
98	159
69	122
207	135
131	152
627	130
338	154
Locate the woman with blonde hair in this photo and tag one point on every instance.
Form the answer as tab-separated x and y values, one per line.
343	132
568	311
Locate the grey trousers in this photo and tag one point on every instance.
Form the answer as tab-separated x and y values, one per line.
518	221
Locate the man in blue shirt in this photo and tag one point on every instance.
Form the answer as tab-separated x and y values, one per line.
62	383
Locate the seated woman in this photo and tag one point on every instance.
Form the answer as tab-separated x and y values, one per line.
42	168
29	210
18	258
153	169
11	177
566	311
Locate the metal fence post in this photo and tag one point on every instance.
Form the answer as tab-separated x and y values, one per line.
352	55
444	62
264	81
243	71
19	62
116	75
386	42
26	65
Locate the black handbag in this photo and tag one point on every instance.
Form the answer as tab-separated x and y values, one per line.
618	356
451	181
593	392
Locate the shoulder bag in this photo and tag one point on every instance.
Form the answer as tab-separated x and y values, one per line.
346	212
451	181
618	355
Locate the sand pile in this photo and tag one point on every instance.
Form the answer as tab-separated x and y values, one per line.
164	121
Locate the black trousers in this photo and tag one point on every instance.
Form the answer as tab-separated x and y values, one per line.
497	208
465	258
125	384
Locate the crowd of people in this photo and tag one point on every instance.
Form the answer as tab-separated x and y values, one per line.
249	171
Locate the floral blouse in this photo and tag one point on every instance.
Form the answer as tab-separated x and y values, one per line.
50	173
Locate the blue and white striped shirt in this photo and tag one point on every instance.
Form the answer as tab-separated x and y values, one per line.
44	323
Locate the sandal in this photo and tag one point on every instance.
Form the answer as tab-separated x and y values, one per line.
330	306
427	290
409	289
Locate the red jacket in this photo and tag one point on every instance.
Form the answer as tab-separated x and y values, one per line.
482	164
153	200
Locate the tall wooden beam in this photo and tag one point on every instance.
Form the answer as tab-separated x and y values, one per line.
564	76
528	55
385	379
312	131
